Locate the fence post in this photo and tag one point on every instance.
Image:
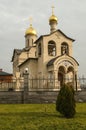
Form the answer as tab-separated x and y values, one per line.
76	81
25	92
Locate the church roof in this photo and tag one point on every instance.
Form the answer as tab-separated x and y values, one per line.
53	60
66	35
19	51
2	73
30	58
54	32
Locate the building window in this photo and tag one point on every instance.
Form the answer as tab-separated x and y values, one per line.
39	49
51	48
32	42
28	43
64	48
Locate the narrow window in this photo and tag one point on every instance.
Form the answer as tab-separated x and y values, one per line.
28	43
39	49
32	41
51	48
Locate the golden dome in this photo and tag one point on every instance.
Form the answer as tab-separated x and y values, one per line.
53	18
30	31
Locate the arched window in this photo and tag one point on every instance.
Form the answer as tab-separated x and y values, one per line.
51	48
27	43
39	49
64	48
32	41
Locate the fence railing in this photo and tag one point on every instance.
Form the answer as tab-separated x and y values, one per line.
12	85
82	82
38	84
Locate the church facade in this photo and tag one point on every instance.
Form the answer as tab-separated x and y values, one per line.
47	57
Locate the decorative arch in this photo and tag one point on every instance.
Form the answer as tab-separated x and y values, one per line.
70	68
51	48
64	68
66	60
64	48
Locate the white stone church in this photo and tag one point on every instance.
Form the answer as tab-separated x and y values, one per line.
47	57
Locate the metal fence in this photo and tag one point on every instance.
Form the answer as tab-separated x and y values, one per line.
82	82
12	85
38	84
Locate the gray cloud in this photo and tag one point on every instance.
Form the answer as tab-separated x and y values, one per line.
14	19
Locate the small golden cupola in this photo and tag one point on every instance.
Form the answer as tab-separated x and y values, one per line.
30	31
30	35
53	18
53	21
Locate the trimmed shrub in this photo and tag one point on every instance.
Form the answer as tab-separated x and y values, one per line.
65	103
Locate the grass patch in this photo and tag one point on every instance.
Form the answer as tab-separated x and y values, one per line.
40	117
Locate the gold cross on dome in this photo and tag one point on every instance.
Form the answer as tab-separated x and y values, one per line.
53	9
30	19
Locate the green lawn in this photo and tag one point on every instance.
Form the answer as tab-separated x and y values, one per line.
40	117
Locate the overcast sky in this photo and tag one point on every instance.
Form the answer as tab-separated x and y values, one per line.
14	19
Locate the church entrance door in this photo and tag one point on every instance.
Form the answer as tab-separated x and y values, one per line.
60	78
61	75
